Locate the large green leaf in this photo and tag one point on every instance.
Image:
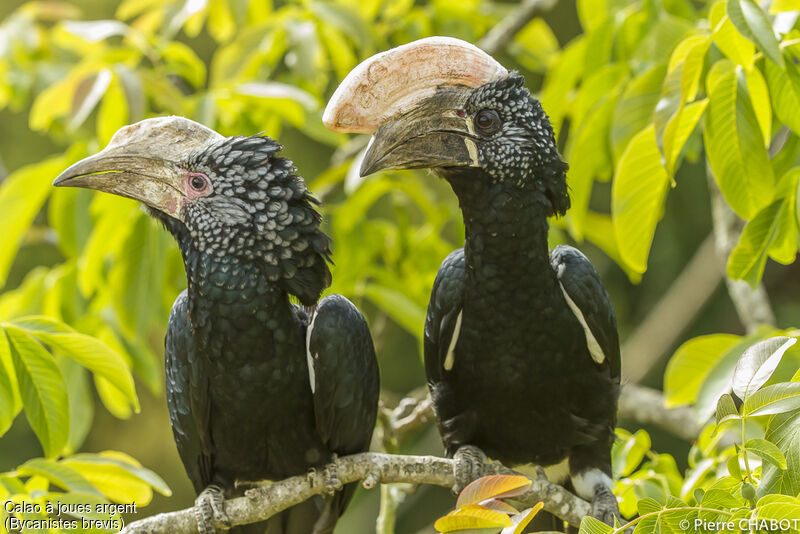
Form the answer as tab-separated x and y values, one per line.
9	404
737	48
628	451
22	195
58	473
86	350
678	130
771	400
758	363
753	23
749	257
637	198
44	394
634	109
691	364
767	451
118	460
784	91
784	431
734	143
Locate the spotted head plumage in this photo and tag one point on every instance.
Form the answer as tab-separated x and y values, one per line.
515	141
230	199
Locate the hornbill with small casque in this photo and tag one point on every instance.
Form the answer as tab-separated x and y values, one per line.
257	386
521	345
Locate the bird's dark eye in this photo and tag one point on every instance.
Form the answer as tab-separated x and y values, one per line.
487	121
198	182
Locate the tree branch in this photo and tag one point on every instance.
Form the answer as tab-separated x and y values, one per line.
645	406
752	305
372	468
504	31
673	313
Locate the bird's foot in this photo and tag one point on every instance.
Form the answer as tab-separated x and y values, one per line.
327	476
209	511
604	505
470	462
330	475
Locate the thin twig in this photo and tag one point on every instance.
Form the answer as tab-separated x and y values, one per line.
504	31
372	468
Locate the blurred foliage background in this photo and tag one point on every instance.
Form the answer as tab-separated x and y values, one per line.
626	84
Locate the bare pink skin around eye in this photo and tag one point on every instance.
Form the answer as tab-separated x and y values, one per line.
189	185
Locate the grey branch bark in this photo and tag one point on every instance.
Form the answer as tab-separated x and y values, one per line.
501	34
372	468
645	406
684	299
752	305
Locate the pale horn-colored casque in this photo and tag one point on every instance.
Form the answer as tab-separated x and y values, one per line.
390	83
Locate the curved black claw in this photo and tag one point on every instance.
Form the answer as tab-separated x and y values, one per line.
469	465
330	474
604	505
209	511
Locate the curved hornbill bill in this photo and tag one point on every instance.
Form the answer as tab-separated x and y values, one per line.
257	386
521	345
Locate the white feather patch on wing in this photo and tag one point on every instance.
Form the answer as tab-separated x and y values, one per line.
310	359
591	342
450	359
586	482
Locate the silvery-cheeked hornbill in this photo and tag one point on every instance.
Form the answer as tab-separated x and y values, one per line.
257	387
521	345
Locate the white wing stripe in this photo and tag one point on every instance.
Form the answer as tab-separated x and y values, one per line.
450	360
591	342
309	359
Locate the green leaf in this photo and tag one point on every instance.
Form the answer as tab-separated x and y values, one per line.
472	517
749	257
86	350
22	195
113	112
59	474
718	498
753	23
124	462
767	451
784	91
9	404
628	453
718	380
44	394
726	409
81	402
691	364
634	109
774	399
784	431
135	285
783	248
759	97
678	130
590	525
734	143
737	48
758	363
637	198
649	505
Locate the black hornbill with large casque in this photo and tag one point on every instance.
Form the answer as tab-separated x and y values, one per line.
521	345
257	386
